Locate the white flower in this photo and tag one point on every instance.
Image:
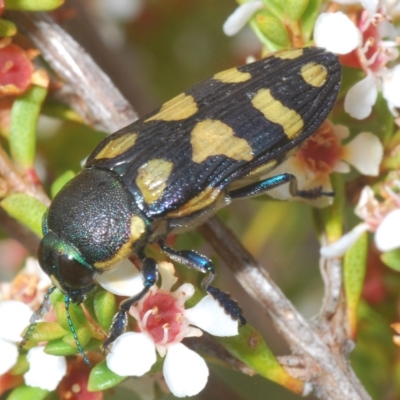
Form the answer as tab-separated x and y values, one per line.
239	18
383	218
30	284
14	316
346	39
369	44
55	369
123	280
163	323
323	154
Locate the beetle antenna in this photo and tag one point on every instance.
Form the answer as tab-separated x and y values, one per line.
72	328
36	316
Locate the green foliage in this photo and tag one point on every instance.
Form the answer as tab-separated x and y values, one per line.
101	378
355	264
25	209
27	393
24	114
250	348
33	5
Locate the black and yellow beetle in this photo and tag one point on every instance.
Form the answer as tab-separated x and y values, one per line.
172	169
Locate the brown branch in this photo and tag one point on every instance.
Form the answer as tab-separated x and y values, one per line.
326	367
87	89
320	351
209	345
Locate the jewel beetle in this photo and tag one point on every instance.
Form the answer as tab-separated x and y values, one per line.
171	170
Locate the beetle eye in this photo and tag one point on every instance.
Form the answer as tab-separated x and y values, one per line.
73	273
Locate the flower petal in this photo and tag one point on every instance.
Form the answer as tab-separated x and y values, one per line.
339	248
387	236
45	370
361	97
185	371
184	292
132	354
208	315
239	18
370	5
14	317
345	39
32	267
9	355
367	204
365	153
391	86
341	167
168	278
124	280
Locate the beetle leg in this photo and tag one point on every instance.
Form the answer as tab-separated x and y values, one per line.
263	186
200	263
149	271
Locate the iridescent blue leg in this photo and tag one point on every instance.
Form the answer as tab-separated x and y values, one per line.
263	186
67	302
200	263
37	316
149	271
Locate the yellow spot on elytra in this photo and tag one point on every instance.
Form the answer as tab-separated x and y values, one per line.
180	107
152	178
214	138
275	111
117	146
200	202
314	74
289	54
232	75
137	229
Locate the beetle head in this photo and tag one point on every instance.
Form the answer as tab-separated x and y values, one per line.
66	267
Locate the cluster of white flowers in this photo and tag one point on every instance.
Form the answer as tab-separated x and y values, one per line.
15	316
162	324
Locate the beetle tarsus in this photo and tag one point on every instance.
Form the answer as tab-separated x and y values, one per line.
149	272
229	305
118	327
201	263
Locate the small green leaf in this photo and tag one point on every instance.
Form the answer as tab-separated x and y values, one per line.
309	17
77	315
60	182
7	28
27	393
250	348
84	335
330	219
296	8
60	111
45	331
273	29
101	378
33	5
25	209
59	348
24	115
105	307
392	259
21	366
355	261
276	7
